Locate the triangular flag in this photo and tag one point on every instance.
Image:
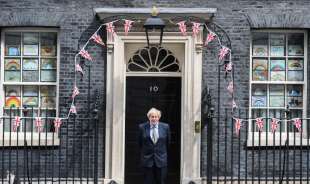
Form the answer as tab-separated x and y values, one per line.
96	38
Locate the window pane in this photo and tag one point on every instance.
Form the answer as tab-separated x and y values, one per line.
48	94
277	70
260	69
276	96
12	64
30	76
277	44
294	96
295	70
48	75
260	44
295	44
48	90
12	44
259	96
48	44
30	70
11	76
31	44
30	64
48	63
30	96
12	97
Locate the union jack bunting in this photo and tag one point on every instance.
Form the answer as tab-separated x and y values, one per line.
230	87
110	28
223	52
57	124
127	26
209	38
85	55
16	123
182	27
38	123
96	38
259	124
237	125
75	92
297	123
274	124
195	28
72	109
78	68
228	67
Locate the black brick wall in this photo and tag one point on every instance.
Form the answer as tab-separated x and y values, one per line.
76	22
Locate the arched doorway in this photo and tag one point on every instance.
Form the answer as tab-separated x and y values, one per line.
142	93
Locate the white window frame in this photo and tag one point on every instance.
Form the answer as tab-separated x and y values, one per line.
268	138
32	138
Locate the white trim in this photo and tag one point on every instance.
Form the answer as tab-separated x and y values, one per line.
204	13
285	83
190	105
35	135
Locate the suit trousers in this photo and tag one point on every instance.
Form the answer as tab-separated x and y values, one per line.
155	175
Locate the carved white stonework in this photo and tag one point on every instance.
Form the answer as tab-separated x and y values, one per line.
190	72
188	50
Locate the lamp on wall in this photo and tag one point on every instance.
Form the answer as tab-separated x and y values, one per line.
154	24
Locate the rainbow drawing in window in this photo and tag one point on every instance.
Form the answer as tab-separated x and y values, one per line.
12	102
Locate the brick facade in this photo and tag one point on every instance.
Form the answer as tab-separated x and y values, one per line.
76	22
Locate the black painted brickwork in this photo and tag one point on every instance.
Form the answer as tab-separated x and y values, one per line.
76	22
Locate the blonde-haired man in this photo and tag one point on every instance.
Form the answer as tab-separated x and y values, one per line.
154	138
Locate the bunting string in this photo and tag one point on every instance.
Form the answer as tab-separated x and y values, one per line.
224	55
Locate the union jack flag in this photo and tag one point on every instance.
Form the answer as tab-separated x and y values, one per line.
110	28
57	124
78	68
237	125
85	55
209	38
195	28
75	92
16	123
228	67
182	27
260	124
127	26
38	123
72	109
297	123
274	124
223	51
97	39
230	87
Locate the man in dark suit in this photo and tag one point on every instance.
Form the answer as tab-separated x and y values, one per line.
154	138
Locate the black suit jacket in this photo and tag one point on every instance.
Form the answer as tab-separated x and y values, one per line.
154	154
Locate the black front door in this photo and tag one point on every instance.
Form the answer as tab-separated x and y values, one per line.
142	93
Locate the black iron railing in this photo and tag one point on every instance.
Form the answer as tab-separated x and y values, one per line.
255	156
33	155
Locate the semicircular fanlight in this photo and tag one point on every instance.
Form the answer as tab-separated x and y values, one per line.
153	59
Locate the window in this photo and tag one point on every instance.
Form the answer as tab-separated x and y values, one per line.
278	78
29	60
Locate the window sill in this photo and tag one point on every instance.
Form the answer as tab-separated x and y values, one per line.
270	140
29	139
